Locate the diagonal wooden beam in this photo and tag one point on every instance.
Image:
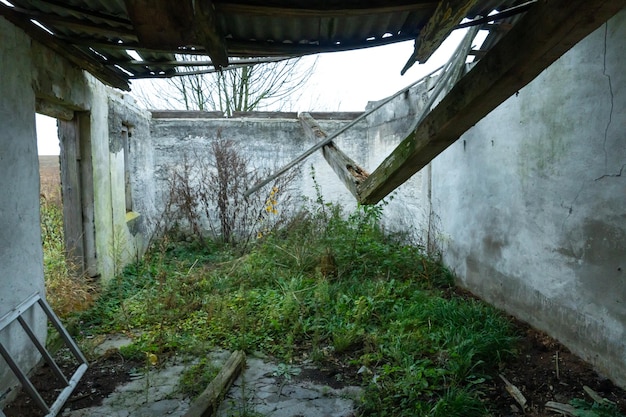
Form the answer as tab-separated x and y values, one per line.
348	171
546	32
447	15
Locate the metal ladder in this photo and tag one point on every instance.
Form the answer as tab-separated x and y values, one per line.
16	314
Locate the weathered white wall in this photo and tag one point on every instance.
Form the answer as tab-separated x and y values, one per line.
32	75
270	142
130	231
530	204
21	257
274	142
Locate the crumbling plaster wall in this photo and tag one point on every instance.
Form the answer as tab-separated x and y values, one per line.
21	257
269	142
530	204
131	226
35	78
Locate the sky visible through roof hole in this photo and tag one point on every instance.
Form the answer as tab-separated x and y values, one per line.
342	81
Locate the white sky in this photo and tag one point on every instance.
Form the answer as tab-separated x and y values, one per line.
342	81
47	137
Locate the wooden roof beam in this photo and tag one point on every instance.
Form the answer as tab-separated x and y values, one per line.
546	32
163	24
205	30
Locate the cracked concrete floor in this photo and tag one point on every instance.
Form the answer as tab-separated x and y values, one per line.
263	389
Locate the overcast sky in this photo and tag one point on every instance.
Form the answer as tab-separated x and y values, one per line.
342	81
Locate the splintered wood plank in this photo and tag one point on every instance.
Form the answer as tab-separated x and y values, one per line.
207	403
446	16
348	171
167	24
546	32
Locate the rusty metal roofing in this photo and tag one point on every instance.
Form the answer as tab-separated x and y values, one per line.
119	40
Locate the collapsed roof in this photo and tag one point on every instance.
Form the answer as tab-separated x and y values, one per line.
120	40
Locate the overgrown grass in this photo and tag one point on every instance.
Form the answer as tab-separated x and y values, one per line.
67	290
328	286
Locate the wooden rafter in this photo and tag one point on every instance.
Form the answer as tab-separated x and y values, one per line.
205	29
82	25
545	33
348	171
64	6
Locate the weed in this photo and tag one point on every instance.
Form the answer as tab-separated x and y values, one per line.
603	409
197	376
383	309
207	198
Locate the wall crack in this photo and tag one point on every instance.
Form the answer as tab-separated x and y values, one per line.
608	77
619	174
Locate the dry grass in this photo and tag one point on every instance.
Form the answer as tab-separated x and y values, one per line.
67	289
50	179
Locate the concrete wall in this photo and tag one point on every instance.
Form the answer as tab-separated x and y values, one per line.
530	204
35	78
274	142
21	257
127	229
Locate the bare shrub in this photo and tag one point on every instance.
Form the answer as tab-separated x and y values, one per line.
207	197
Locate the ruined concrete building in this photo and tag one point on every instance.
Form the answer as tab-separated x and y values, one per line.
516	161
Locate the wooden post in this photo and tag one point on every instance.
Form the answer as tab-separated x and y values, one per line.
207	403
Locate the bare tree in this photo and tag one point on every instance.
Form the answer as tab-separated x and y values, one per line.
271	85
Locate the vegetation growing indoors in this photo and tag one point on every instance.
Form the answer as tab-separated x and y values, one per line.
327	287
321	285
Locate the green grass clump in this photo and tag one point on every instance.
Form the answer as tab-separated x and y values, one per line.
328	286
196	378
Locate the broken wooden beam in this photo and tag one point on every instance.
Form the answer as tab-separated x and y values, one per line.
447	15
207	34
333	135
546	32
207	403
563	409
514	392
167	24
348	171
